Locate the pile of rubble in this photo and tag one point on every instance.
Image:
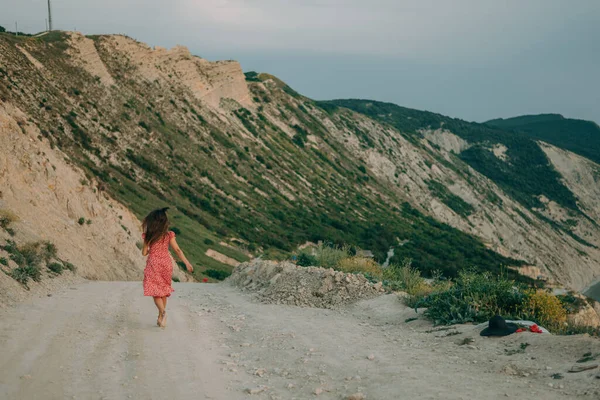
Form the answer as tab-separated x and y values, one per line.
287	283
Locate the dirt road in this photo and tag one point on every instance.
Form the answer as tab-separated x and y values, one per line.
99	341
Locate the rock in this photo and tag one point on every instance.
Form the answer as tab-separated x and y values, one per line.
371	357
260	372
356	396
318	391
256	390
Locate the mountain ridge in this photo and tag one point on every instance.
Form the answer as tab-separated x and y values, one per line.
258	168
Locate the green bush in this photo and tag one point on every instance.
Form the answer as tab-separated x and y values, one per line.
55	267
474	298
48	251
31	254
69	266
4	261
81	221
306	260
217	274
403	277
23	274
330	256
175	279
208	242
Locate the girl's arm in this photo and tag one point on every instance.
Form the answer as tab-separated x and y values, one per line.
180	254
145	249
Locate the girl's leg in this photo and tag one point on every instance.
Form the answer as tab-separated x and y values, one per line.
163	321
158	301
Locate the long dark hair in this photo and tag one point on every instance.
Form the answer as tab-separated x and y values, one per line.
155	225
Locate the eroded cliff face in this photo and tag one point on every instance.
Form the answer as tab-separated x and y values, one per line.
238	157
208	81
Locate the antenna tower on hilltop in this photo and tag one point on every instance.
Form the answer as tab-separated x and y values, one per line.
49	16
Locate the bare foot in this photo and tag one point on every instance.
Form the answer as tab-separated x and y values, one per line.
163	320
158	321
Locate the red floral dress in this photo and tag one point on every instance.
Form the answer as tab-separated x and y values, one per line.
159	268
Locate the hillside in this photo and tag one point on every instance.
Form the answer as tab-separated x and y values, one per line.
250	167
578	136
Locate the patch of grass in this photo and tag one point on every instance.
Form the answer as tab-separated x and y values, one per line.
404	277
55	267
69	266
330	256
23	274
360	265
474	298
456	203
47	250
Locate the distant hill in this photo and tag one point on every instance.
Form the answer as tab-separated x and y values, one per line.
579	136
529	174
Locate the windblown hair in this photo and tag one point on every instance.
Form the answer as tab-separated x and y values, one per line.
155	226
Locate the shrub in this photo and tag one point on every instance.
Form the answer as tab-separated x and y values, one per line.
362	265
208	242
330	256
4	261
175	279
176	230
31	254
81	221
473	298
23	274
572	304
306	260
55	267
88	222
47	251
69	266
404	277
546	309
217	274
7	218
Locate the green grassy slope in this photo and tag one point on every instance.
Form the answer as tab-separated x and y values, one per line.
579	136
237	175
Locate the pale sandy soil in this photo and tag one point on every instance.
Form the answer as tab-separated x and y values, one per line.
98	340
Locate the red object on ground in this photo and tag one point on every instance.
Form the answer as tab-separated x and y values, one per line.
205	280
535	329
520	330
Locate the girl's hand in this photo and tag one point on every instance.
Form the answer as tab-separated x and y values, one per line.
189	268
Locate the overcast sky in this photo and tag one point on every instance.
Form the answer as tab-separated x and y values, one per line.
472	59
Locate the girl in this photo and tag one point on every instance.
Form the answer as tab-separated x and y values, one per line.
159	267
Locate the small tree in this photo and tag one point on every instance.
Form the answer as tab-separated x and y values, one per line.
2	29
